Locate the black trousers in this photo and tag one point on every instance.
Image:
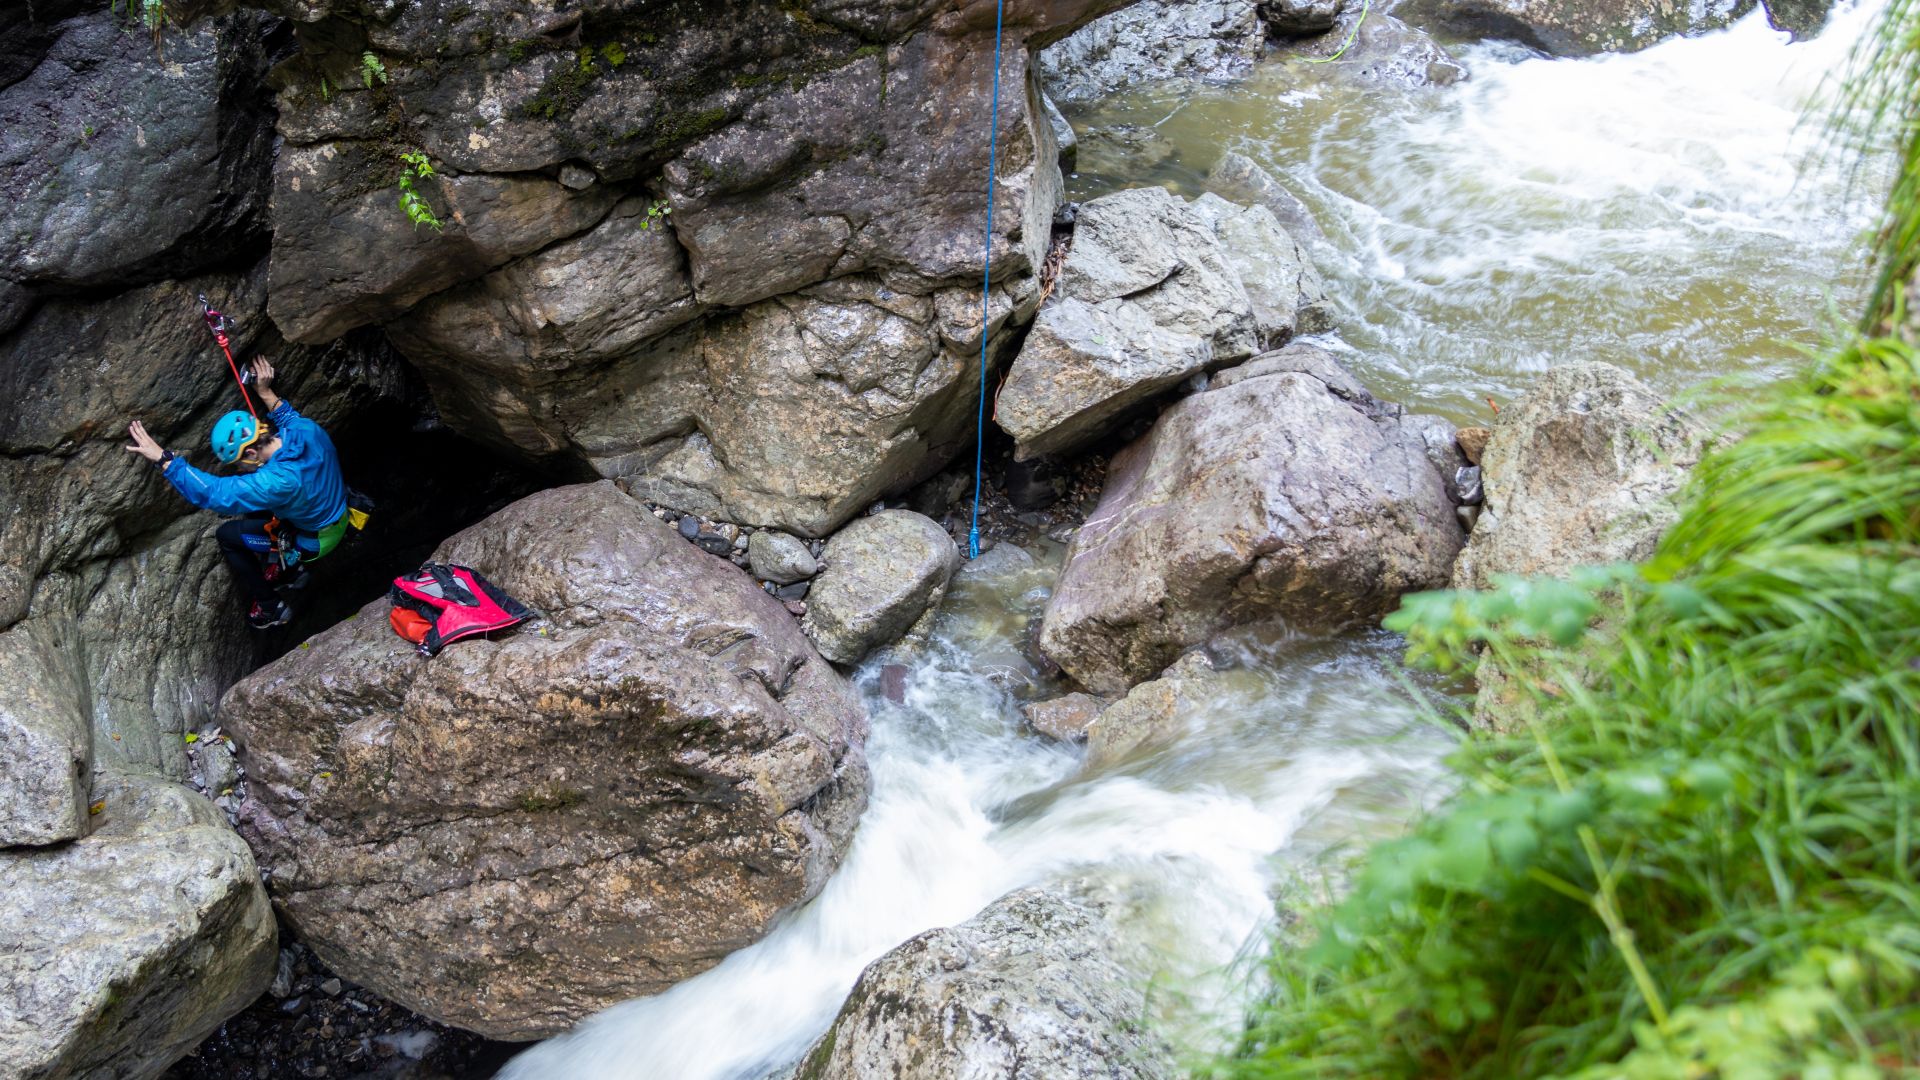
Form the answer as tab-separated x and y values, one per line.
245	544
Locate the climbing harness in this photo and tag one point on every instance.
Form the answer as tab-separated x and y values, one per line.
217	325
1362	21
986	285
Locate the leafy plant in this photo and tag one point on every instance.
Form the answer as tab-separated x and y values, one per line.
414	168
657	212
372	70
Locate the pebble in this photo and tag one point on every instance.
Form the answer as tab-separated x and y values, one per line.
795	591
714	543
331	988
689	526
798	607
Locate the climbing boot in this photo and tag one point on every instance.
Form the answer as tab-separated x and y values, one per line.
262	617
291	580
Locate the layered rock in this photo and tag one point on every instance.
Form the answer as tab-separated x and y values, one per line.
1154	290
1283	492
1582	470
1153	40
883	574
1573	27
120	951
1152	713
521	832
46	738
1029	989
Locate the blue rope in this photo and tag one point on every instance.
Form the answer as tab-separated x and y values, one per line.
986	286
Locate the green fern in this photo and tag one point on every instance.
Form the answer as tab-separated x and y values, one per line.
415	167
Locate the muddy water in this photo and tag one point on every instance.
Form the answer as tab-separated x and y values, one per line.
1645	210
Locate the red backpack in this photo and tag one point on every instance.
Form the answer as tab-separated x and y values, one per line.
441	603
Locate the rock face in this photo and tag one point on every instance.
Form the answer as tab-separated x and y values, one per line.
1213	40
699	247
521	832
1573	27
120	951
1285	491
1581	470
1238	178
46	739
1154	290
883	573
1028	989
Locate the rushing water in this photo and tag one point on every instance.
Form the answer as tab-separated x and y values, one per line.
1642	209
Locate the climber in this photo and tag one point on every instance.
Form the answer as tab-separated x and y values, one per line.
290	482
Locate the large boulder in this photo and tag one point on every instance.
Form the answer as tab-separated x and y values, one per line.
46	737
1375	48
520	832
1573	27
1151	41
1152	713
1029	989
1581	470
1285	491
1153	291
121	951
884	573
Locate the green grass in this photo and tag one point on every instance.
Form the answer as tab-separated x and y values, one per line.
1700	858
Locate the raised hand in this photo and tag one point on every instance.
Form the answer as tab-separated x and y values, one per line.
143	443
262	372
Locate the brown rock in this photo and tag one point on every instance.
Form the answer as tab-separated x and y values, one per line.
521	832
1152	713
1063	718
1286	494
1473	442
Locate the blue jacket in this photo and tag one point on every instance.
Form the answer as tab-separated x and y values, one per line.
301	484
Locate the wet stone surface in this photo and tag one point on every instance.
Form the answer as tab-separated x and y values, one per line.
298	1029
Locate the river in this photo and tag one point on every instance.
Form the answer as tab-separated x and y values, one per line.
1648	209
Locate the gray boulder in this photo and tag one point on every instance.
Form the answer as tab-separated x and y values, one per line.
780	558
1285	290
1581	470
1065	718
639	785
883	574
1573	27
46	737
121	951
1147	297
1151	41
1029	989
1300	18
1238	178
1283	492
1153	713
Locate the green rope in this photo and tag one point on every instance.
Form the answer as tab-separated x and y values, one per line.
1350	37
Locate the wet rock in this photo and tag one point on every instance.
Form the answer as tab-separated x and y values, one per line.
796	591
631	790
1287	294
883	574
1380	49
688	526
1473	442
713	543
1573	27
1238	178
1152	713
1146	299
1150	41
121	950
1063	719
1029	989
1064	138
1802	18
1300	18
780	558
46	737
1284	492
121	163
1467	487
1581	470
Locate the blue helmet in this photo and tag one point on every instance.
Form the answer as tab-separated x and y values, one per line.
233	433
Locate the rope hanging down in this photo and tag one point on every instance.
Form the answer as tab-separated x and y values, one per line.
217	325
986	284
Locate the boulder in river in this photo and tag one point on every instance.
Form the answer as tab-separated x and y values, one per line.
1151	41
1152	712
1065	718
1284	491
1573	27
1581	470
520	832
1238	178
1153	291
1377	48
1029	989
122	950
884	572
